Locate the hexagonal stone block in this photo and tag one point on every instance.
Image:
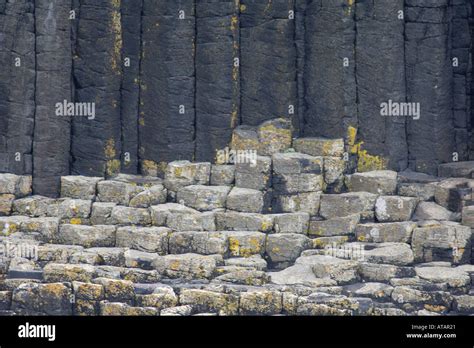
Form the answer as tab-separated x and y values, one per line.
46	299
245	243
283	249
454	277
397	232
260	302
236	221
245	200
296	163
445	242
6	204
130	216
454	193
160	213
320	146
34	206
204	243
339	226
117	191
307	202
55	272
382	182
325	266
340	205
87	236
257	176
101	213
210	301
17	185
297	183
432	211
154	195
222	175
203	198
291	223
184	173
399	254
187	266
394	208
274	136
148	239
463	169
79	187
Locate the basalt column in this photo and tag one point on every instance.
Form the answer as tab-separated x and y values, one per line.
130	91
167	83
329	73
380	74
17	85
429	83
96	140
217	75
51	143
268	60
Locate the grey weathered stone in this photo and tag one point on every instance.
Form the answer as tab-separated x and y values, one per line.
405	294
187	266
468	216
300	274
323	266
204	243
130	216
203	198
377	291
117	290
274	136
47	299
210	301
296	163
250	277
256	176
47	228
161	298
463	169
6	204
156	194
55	273
254	261
320	146
334	169
87	236
184	173
192	221
236	221
452	193
260	302
101	213
432	211
283	249
66	208
140	259
245	200
445	242
117	191
340	205
17	185
291	223
123	309
177	311
338	226
35	206
398	232
424	192
372	272
296	183
464	304
382	182
394	208
79	187
160	213
454	277
399	254
307	202
148	239
245	243
222	175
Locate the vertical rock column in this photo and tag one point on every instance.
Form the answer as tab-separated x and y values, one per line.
380	73
130	91
51	143
429	82
96	141
329	73
167	78
300	37
217	75
268	61
461	44
17	85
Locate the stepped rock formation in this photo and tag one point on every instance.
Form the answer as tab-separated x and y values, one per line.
236	157
171	80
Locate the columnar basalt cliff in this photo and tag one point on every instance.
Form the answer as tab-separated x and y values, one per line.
170	80
236	157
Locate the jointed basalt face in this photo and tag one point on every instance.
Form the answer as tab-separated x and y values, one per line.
171	81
